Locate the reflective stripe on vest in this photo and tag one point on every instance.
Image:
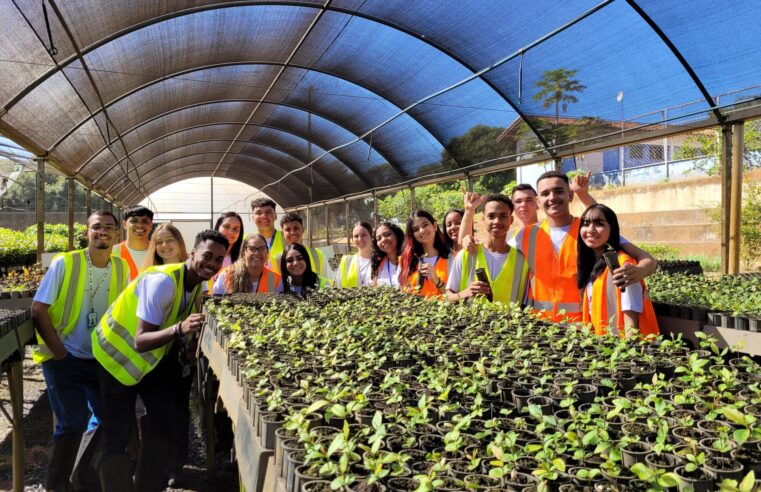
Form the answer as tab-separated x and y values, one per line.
429	289
553	285
607	316
316	265
66	309
276	249
509	286
113	340
126	256
268	281
349	274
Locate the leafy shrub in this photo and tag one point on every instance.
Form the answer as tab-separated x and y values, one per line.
740	296
18	248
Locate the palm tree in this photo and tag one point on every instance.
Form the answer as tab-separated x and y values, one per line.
557	87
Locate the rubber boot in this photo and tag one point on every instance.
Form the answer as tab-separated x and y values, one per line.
115	474
63	453
151	475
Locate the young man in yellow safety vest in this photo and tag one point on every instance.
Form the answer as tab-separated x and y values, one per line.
263	214
292	226
138	224
505	267
70	301
130	344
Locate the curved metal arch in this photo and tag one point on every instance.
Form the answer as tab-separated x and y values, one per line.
157	184
350	167
678	54
208	141
221	101
289	154
245	166
274	64
253	156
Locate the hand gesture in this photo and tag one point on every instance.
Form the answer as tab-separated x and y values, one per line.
427	271
470	244
473	200
580	184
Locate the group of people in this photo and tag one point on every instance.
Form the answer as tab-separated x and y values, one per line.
115	321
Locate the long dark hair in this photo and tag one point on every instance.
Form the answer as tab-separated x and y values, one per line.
378	255
588	267
310	278
414	250
235	250
443	226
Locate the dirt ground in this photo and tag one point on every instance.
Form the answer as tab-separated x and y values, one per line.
38	428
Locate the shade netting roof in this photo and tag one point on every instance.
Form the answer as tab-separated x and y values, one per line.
310	100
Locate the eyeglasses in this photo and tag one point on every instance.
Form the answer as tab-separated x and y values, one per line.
294	259
255	249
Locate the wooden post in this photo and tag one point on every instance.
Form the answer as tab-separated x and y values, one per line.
470	181
309	224
735	201
726	178
40	208
16	389
327	224
70	208
88	202
413	205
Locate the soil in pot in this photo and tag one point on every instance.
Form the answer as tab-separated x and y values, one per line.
517	481
303	475
402	484
663	461
363	486
634	452
479	481
585	393
750	457
697	481
721	468
544	402
317	486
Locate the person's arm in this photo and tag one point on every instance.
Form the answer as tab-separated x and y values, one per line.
580	188
631	322
149	336
44	327
465	238
628	273
474	288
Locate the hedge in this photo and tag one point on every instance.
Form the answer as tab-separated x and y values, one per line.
19	248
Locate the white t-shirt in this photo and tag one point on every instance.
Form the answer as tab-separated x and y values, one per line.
388	274
227	261
138	255
494	262
219	285
155	296
365	269
557	235
631	298
78	341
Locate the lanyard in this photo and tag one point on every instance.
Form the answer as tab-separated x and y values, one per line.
390	277
91	316
272	240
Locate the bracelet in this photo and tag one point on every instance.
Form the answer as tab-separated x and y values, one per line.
176	331
440	284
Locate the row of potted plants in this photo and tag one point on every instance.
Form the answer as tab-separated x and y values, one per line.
731	301
21	283
19	248
10	319
373	390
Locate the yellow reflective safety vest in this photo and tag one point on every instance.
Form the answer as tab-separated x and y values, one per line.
65	310
113	340
276	245
510	284
348	271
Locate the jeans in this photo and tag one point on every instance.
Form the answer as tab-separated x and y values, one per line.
156	390
73	392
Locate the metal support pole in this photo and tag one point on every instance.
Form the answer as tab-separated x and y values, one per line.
88	202
726	179
40	208
211	206
470	182
348	227
310	225
16	390
412	199
70	208
735	201
327	224
376	220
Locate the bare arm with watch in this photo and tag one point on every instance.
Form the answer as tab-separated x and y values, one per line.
428	271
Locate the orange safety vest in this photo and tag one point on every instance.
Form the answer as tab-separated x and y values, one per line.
268	282
553	282
429	289
606	306
124	253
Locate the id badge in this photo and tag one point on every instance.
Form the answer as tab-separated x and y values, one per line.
92	320
185	370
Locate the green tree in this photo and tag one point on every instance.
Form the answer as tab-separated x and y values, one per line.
556	89
705	147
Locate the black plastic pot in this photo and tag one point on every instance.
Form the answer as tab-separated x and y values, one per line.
663	461
721	468
749	456
517	481
269	424
316	486
402	484
634	452
741	323
478	481
585	393
754	324
544	402
727	320
520	397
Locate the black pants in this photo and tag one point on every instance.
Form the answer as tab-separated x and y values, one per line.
157	391
181	422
